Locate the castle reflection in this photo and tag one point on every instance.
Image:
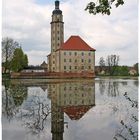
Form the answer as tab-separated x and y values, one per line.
73	98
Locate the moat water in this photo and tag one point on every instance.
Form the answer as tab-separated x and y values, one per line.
99	109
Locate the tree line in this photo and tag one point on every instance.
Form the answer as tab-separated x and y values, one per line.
111	67
13	57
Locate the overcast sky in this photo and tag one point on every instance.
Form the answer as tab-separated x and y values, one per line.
28	22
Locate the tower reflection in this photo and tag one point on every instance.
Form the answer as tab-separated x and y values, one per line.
72	98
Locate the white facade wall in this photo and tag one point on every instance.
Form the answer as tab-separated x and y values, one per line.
77	61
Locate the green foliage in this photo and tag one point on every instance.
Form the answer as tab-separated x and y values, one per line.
103	6
121	71
19	60
8	47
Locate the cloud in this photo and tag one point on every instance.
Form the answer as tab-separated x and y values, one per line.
29	23
36	57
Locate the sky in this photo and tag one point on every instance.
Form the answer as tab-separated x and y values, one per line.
28	22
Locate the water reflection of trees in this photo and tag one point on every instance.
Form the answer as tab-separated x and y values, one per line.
35	114
102	86
112	88
73	98
129	127
136	83
12	97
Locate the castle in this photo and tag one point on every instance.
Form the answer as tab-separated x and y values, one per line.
74	56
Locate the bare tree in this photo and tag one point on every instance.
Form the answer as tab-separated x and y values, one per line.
101	63
112	63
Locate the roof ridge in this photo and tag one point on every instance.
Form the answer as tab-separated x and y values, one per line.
75	42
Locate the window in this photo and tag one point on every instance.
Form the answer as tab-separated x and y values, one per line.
69	53
64	67
75	53
53	62
64	53
82	67
82	60
89	60
82	53
69	60
75	67
89	53
89	67
75	60
70	67
58	38
64	60
58	32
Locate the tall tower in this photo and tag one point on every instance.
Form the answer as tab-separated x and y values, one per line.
57	28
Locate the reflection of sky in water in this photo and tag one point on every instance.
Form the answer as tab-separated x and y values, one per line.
102	121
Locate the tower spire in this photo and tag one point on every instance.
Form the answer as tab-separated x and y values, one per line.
56	4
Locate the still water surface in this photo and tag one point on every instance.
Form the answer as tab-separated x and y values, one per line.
100	109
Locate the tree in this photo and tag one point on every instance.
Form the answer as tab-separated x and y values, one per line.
112	63
19	61
8	47
101	63
102	6
136	67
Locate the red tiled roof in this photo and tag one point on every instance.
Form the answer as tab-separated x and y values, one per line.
76	43
76	112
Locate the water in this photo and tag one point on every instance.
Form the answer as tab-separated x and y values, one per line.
100	109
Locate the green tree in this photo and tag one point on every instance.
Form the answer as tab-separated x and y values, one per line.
25	63
102	6
19	61
8	48
121	71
